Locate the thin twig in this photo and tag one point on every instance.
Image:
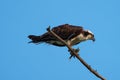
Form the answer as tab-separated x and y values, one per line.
76	55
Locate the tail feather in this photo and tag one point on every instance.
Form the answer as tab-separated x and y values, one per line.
35	39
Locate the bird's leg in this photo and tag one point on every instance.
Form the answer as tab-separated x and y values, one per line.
76	51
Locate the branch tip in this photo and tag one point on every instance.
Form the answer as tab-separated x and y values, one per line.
48	29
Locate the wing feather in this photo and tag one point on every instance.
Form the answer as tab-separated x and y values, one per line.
65	31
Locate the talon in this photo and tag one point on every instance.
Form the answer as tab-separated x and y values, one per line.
72	56
76	51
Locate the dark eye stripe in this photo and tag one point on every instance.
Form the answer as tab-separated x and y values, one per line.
86	33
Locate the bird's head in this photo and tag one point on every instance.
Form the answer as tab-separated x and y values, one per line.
89	35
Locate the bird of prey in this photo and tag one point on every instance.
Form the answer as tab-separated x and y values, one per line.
72	34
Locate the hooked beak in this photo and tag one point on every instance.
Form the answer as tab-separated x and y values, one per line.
93	39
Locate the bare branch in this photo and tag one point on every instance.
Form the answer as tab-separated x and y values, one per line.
76	55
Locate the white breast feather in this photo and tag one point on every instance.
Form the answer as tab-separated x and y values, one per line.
77	39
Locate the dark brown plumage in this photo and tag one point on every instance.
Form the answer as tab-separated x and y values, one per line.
66	32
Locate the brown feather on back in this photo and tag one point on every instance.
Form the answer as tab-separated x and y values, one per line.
66	30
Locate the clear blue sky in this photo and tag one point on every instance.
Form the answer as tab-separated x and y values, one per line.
22	61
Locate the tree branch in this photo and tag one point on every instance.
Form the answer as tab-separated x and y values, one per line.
76	55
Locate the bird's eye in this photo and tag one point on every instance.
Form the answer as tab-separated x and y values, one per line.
86	33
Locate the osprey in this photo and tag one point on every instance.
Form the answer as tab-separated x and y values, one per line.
70	33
